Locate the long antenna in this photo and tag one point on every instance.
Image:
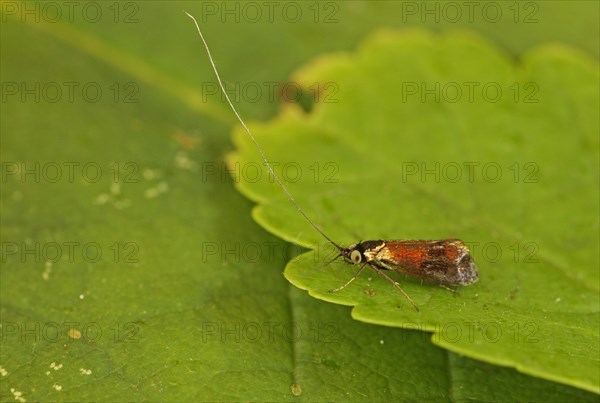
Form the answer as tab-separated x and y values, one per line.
252	137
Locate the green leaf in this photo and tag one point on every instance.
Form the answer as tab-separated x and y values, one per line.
162	315
509	165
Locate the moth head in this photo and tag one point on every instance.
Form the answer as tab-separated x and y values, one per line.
352	254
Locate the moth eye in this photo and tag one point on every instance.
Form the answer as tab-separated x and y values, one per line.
355	256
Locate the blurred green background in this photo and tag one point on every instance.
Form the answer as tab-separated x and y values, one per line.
131	268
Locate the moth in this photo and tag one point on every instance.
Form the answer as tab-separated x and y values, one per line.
446	262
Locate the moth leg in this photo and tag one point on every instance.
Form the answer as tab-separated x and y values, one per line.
447	288
395	283
328	263
351	280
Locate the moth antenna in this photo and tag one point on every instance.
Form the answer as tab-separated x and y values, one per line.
254	140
